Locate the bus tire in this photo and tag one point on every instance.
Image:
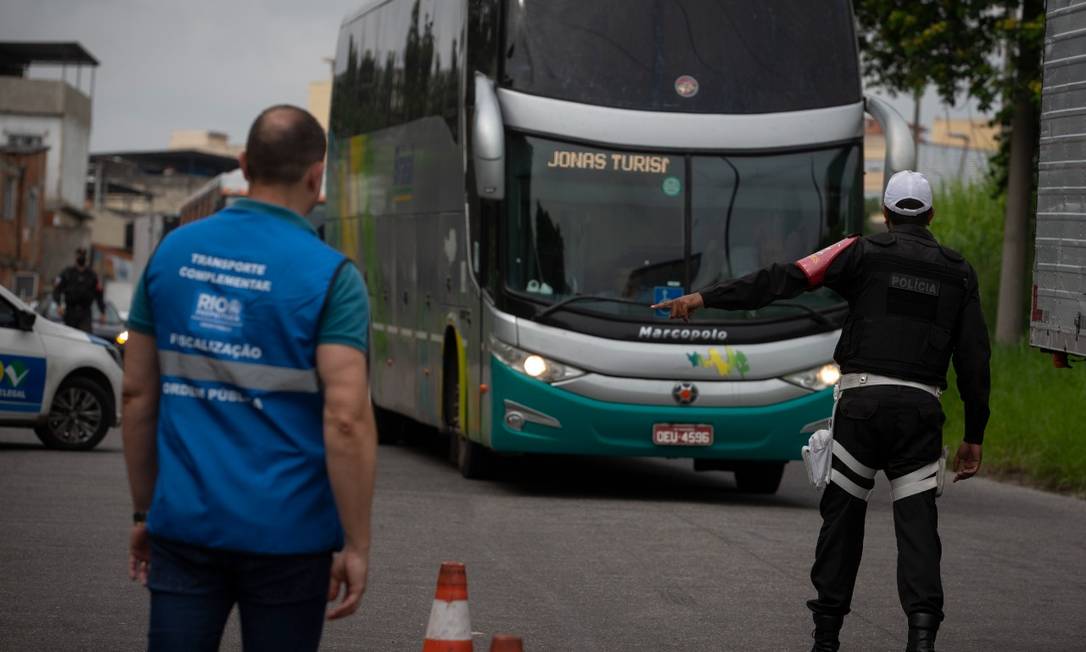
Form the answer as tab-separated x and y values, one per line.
474	461
759	477
390	427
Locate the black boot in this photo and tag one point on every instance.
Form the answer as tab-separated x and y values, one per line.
827	627
922	629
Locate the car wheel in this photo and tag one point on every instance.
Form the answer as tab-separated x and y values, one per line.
79	417
759	478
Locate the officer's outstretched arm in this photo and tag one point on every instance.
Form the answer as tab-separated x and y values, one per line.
832	266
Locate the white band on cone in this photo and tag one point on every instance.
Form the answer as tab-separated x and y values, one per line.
449	621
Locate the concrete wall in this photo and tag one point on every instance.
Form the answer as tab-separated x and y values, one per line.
61	115
50	129
20	237
58	251
108	229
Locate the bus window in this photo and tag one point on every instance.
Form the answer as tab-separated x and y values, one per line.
684	55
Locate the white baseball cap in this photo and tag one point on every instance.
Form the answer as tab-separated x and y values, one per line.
907	185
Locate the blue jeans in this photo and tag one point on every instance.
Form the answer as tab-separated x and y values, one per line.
281	598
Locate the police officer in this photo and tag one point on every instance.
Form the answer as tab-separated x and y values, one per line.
914	307
79	287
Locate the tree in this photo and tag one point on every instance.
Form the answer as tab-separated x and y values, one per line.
956	46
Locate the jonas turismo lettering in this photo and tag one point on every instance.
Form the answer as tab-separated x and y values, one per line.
657	333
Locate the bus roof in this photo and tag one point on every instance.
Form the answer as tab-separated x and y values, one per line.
367	6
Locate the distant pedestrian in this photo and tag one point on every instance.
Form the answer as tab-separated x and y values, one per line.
913	307
248	432
76	290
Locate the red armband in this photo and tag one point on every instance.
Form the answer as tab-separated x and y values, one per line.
814	266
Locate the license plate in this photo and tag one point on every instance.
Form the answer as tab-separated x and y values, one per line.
677	434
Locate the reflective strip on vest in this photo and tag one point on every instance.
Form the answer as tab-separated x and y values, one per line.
843	481
245	375
920	480
851	462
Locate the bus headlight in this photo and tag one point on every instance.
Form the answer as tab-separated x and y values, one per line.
532	364
816	379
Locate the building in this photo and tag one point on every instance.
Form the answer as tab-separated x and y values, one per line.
951	151
320	101
135	197
22	186
212	142
54	116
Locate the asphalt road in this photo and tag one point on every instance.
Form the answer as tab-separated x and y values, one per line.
572	554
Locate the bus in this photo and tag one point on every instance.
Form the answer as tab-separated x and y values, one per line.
519	180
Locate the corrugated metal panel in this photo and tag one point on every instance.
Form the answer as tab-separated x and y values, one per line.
1059	318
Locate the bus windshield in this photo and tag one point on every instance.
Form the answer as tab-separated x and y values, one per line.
592	221
700	56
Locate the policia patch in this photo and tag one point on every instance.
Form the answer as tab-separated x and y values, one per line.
914	284
913	296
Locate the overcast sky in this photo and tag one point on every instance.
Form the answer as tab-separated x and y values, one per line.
200	64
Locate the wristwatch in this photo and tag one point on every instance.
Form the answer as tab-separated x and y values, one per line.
139	517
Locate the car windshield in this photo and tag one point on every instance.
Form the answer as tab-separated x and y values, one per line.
640	225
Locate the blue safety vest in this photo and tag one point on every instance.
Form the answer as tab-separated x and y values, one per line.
237	300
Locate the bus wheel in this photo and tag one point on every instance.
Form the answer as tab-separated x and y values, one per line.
472	459
390	427
759	477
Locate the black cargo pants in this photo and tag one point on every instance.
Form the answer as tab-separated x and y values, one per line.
898	430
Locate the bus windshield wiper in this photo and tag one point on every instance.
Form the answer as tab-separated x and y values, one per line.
811	312
584	297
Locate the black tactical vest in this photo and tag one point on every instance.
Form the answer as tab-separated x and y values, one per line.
80	287
905	311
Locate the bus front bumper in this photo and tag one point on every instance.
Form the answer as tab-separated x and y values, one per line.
552	420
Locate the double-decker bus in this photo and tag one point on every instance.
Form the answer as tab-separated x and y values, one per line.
520	179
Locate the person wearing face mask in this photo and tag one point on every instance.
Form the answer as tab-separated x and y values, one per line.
75	290
248	436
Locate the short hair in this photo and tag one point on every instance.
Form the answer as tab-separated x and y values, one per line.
909	203
283	143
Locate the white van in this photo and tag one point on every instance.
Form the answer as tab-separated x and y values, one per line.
64	383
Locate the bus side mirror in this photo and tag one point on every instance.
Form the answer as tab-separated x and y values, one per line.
900	146
488	141
24	321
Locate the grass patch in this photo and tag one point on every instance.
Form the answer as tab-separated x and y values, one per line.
1034	434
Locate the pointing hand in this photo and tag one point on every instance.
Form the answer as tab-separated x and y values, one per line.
682	307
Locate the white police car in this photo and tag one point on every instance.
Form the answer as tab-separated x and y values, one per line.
59	380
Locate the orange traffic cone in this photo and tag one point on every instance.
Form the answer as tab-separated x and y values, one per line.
506	643
450	625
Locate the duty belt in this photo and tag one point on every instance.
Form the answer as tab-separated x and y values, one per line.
852	381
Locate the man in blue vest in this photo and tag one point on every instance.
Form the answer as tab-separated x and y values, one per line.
248	433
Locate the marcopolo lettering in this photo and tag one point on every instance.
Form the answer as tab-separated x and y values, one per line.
914	284
688	334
